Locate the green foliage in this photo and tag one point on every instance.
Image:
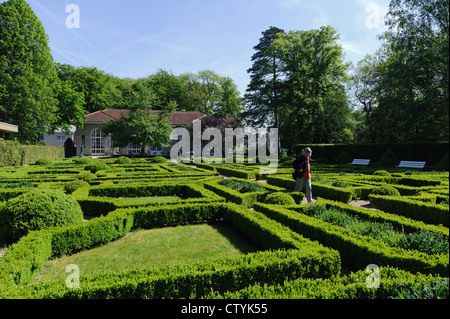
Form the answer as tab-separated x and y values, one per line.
389	159
264	97
82	160
394	283
157	159
87	176
142	128
433	289
96	166
382	173
15	154
123	160
343	158
315	106
444	163
241	186
44	162
355	249
419	210
271	266
385	190
71	187
27	98
422	240
35	210
279	198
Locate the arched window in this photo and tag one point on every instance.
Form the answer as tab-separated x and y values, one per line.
97	142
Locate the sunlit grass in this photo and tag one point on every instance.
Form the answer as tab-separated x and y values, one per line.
157	247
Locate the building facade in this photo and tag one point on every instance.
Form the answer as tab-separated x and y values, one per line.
90	141
7	128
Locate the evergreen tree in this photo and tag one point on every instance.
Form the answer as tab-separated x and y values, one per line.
315	104
264	90
27	72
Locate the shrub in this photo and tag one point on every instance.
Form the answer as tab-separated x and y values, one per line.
73	186
87	176
279	198
443	164
382	173
388	159
242	187
343	158
340	184
44	162
385	190
157	159
35	210
95	167
123	160
82	160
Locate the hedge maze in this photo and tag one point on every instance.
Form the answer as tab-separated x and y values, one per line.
318	250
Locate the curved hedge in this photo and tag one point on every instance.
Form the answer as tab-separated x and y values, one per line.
35	210
288	255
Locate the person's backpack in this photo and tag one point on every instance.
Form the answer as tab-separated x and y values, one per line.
296	165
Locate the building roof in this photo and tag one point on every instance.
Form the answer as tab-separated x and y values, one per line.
5	127
178	118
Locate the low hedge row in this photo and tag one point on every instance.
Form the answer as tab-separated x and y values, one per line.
326	191
302	258
102	200
415	209
398	221
7	194
356	250
393	284
248	199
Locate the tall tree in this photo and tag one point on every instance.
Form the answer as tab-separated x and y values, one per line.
315	105
101	90
143	127
264	92
27	72
210	93
364	83
416	70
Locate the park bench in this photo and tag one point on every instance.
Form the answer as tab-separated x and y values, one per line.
410	164
363	162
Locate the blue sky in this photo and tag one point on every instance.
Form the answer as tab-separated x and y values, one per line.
135	38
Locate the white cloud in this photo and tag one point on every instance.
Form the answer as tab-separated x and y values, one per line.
351	47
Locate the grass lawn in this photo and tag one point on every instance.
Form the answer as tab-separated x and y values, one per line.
156	247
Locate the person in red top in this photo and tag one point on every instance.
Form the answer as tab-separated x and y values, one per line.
303	174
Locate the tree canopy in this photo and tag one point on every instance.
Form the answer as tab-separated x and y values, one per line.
403	87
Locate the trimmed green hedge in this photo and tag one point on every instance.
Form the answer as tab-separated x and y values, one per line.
101	200
419	210
302	258
248	199
15	154
393	284
356	250
327	191
374	152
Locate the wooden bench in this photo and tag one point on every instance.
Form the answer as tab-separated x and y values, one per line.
363	162
409	164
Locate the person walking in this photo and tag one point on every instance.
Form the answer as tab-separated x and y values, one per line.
302	174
